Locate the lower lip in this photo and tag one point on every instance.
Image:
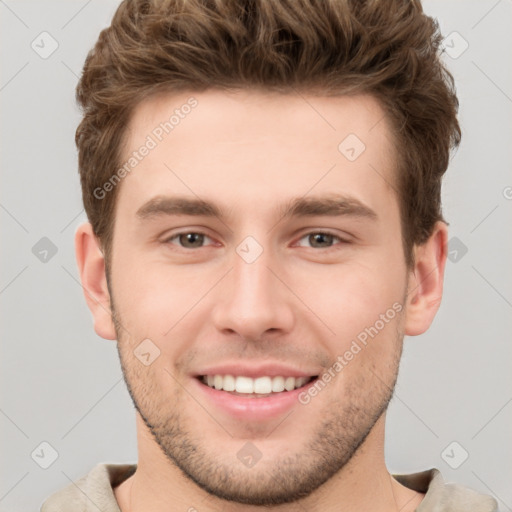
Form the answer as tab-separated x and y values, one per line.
252	408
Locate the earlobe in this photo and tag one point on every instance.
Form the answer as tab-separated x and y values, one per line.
425	286
91	267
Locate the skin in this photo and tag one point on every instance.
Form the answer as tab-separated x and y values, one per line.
302	302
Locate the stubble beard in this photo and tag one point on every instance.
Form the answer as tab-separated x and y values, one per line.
342	429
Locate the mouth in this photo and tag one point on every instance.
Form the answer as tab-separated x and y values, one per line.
259	387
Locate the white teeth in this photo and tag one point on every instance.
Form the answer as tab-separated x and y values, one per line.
263	385
229	383
218	381
260	385
300	382
278	384
243	384
289	383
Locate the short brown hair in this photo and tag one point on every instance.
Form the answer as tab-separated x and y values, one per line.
387	48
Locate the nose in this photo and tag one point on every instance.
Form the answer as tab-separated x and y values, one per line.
253	302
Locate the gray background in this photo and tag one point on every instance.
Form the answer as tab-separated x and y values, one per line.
62	384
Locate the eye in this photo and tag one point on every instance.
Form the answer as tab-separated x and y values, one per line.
196	240
188	239
321	240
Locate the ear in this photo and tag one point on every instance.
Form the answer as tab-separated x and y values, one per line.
425	286
91	266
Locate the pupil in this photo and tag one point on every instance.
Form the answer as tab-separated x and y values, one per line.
319	237
192	239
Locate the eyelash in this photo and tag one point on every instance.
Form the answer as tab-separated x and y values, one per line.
336	237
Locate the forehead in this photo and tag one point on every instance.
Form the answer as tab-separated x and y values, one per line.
250	147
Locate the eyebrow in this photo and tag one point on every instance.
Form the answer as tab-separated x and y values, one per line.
330	205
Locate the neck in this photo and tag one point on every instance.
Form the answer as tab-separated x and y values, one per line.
364	483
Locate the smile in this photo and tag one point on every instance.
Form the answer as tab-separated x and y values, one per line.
258	399
258	387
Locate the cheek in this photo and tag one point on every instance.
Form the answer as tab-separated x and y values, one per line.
362	304
152	297
351	296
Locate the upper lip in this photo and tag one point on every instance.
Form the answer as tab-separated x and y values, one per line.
256	370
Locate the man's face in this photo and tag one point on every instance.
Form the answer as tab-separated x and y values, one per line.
252	292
